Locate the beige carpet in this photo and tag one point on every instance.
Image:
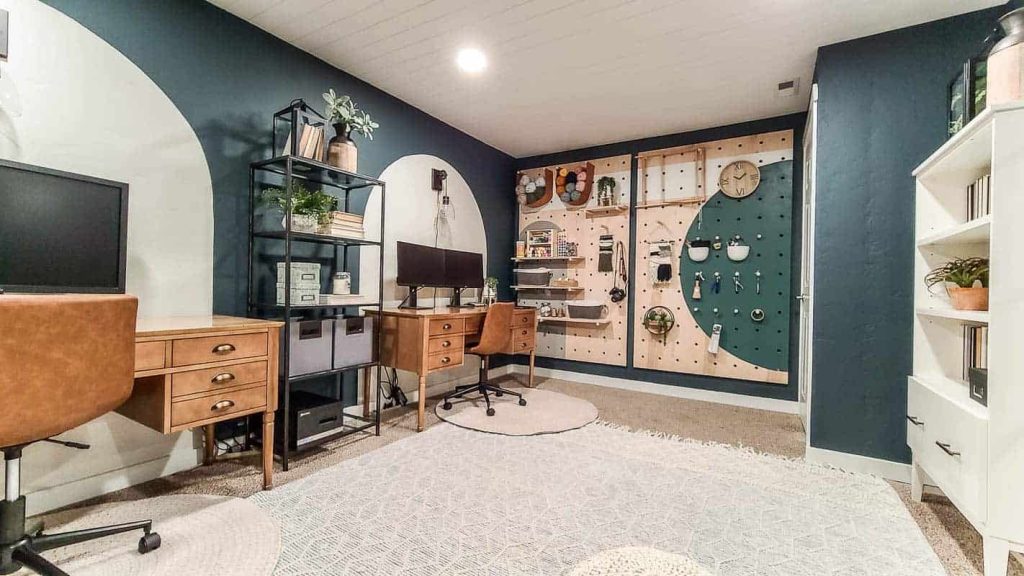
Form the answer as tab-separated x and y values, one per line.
546	412
638	561
957	544
201	536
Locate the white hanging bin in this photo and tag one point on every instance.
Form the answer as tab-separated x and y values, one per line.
737	253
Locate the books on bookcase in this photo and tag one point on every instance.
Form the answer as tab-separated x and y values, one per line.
979	198
975	349
345	224
311	142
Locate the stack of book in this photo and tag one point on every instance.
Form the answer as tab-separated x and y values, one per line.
975	348
345	225
311	143
979	198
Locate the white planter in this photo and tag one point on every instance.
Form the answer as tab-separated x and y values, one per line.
302	223
737	253
698	254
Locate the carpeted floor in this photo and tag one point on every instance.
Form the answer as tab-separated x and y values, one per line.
951	536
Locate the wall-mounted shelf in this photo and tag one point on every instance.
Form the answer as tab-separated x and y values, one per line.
573	321
551	259
678	202
976	231
606	210
565	288
966	316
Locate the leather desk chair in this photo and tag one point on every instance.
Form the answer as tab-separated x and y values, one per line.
64	360
495	338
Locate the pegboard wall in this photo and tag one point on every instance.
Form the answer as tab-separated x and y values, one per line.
749	350
605	343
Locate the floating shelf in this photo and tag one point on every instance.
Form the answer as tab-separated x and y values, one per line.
955	391
606	210
966	316
976	231
575	321
678	202
551	259
566	288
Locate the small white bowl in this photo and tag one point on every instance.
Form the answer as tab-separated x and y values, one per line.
737	253
698	254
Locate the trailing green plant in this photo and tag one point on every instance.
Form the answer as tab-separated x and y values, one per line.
342	110
606	184
491	282
305	202
963	272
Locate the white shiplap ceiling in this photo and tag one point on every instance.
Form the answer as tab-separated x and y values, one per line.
566	74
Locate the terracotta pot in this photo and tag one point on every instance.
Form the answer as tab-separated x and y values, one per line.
968	298
341	150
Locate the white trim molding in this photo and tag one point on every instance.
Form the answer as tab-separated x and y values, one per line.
863	464
756	402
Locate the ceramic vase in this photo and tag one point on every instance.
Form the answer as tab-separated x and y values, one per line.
1005	74
968	298
341	150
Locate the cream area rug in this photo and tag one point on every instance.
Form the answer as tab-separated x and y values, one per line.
201	536
638	561
454	501
545	412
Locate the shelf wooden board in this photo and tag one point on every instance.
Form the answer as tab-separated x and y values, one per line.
967	153
965	316
551	259
606	210
976	231
955	391
574	321
566	288
679	202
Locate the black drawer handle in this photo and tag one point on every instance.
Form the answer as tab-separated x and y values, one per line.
913	420
222	377
223	349
222	405
946	448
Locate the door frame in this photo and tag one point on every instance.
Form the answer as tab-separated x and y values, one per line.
806	296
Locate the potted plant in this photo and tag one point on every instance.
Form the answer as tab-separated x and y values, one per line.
310	208
966	282
490	289
347	118
606	191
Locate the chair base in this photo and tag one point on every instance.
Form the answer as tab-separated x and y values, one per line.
19	549
484	388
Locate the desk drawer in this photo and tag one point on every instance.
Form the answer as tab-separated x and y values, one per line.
218	405
474	324
210	379
188	351
444	360
444	327
446	344
521	346
149	356
524	318
524	334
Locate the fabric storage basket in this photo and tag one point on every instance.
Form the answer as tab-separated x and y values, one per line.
587	310
303	273
310	346
353	341
533	276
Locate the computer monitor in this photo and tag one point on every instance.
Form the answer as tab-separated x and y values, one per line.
462	270
418	266
61	232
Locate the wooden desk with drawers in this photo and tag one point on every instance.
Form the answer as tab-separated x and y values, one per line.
197	371
428	341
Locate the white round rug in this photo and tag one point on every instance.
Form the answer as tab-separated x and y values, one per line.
201	535
638	561
545	412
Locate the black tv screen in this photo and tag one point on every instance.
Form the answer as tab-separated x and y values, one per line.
463	269
419	265
61	232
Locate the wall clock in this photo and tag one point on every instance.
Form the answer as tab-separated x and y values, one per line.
739	179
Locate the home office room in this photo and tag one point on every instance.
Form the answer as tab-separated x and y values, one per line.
511	287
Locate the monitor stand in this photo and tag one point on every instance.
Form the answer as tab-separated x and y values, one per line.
410	302
457	299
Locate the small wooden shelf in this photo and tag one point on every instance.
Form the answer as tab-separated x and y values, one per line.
965	316
606	210
574	321
677	202
976	231
955	391
565	288
550	259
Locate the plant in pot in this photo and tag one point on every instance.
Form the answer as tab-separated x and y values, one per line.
347	118
310	208
606	191
965	280
490	289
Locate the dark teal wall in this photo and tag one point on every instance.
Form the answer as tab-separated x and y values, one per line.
227	78
793	122
881	112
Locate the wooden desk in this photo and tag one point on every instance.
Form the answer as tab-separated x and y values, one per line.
197	371
428	341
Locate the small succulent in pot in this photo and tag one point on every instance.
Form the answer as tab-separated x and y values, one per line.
965	280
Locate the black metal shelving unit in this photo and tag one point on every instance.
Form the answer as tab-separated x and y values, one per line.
268	247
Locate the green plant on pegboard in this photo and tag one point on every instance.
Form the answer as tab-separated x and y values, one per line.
659	321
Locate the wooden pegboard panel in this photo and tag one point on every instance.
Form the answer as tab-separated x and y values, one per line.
604	344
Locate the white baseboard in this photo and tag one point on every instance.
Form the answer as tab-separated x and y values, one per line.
857	463
756	402
78	490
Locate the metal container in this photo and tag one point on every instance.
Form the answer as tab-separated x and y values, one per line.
533	276
353	341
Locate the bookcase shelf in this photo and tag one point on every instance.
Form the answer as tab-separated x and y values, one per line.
966	316
976	231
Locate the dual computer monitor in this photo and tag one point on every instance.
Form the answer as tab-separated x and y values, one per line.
425	266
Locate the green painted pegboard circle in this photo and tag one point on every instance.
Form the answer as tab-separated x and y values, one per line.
768	212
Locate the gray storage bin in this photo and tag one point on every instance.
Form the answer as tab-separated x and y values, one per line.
353	341
533	276
310	342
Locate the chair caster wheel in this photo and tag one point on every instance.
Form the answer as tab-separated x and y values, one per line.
149	542
522	401
490	411
446	406
499	394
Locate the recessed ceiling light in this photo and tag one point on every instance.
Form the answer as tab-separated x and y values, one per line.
471	60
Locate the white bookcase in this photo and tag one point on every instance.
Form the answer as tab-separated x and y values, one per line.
973	453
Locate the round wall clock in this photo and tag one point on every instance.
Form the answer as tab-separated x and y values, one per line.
739	179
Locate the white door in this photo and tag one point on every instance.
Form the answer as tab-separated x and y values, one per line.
807	262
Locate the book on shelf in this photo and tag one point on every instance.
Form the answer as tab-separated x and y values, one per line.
346	218
975	349
979	198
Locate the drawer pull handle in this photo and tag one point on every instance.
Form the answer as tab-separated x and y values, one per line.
446	360
446	344
946	448
223	349
222	377
446	327
914	420
222	405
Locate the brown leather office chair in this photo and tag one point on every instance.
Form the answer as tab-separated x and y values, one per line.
64	360
494	339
